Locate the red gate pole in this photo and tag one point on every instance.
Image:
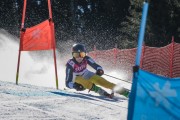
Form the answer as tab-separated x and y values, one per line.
171	58
53	39
21	37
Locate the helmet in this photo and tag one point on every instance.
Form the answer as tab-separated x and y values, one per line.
78	48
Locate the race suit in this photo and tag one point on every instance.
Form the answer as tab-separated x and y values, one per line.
78	72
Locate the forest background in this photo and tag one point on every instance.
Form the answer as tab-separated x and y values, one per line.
103	23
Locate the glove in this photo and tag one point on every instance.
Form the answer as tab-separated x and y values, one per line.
99	72
78	87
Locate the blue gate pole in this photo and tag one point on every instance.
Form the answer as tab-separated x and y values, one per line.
141	34
132	98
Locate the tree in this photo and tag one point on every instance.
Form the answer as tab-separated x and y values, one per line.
164	16
163	22
9	16
130	26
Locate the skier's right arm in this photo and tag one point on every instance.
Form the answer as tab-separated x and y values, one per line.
69	76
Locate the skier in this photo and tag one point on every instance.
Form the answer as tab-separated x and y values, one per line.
80	78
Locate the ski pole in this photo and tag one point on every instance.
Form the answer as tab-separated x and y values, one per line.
117	78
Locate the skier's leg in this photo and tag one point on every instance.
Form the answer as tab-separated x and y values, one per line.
85	83
97	80
100	91
92	87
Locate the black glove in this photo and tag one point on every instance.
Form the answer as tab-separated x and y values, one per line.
78	87
99	72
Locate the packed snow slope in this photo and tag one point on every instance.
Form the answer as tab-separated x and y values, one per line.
27	102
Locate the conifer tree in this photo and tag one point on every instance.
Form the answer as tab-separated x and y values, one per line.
130	26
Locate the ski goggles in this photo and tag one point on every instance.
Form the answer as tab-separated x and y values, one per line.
78	54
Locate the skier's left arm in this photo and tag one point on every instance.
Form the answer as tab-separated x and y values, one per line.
93	64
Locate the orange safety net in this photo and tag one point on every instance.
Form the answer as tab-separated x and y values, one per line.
176	61
157	60
117	60
163	61
39	37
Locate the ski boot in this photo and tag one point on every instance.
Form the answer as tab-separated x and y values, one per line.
101	92
104	93
122	91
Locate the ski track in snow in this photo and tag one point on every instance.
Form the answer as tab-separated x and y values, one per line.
19	102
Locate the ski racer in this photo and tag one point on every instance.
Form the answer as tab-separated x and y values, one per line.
80	78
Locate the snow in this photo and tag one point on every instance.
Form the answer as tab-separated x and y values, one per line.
25	101
36	96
